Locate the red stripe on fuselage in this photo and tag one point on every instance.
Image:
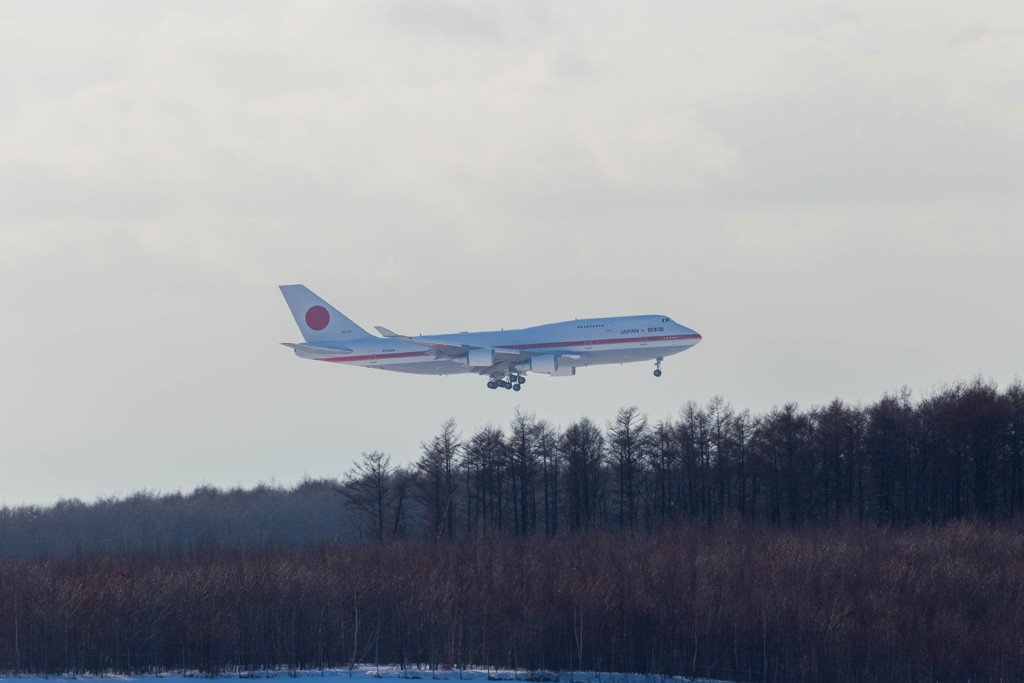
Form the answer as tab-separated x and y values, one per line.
524	347
344	359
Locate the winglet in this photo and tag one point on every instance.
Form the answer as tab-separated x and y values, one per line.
385	332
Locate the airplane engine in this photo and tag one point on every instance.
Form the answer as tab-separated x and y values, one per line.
547	363
481	357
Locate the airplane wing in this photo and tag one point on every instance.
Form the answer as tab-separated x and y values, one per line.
443	349
502	359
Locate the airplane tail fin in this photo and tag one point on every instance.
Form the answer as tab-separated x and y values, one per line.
318	320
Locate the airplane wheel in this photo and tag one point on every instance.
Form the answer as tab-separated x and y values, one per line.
508	385
657	373
517	387
492	385
522	380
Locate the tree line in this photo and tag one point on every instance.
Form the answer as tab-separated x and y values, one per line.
957	453
841	542
159	524
734	602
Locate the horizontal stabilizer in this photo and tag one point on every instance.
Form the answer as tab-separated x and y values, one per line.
309	351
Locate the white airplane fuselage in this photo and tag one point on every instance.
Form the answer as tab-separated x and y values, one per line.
597	341
504	356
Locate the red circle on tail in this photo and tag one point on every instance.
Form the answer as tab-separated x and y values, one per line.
317	317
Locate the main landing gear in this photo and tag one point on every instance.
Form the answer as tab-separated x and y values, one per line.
511	381
657	367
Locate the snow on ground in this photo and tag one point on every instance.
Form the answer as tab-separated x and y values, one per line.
365	671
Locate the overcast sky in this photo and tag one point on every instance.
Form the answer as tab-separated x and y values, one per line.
831	194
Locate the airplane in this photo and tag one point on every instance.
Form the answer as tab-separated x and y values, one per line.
503	356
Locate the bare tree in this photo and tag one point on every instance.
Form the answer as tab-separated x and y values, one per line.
484	465
582	448
368	490
523	467
547	458
438	479
627	439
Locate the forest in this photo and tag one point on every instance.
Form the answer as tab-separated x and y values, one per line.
841	542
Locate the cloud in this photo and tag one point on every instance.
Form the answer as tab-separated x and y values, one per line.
780	176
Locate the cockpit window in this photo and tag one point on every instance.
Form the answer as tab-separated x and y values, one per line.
666	320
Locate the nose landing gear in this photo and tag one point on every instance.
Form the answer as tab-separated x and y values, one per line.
657	367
